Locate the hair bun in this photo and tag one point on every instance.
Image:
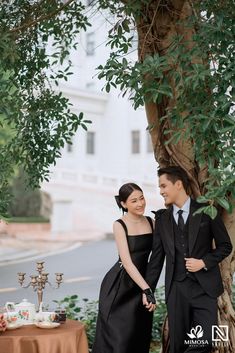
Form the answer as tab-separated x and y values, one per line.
117	198
118	201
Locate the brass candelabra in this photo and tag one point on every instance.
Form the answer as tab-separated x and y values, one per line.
38	282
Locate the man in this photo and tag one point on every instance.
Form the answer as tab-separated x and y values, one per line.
193	280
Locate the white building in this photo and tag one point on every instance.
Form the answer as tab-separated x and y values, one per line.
115	149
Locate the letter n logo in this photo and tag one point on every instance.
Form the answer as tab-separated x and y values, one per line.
219	333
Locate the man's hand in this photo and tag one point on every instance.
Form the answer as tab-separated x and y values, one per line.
194	265
149	306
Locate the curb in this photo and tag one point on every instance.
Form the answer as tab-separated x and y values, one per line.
19	248
30	255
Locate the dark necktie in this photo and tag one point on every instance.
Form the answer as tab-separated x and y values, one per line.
180	220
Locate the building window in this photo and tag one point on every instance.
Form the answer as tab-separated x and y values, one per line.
69	147
135	141
149	143
90	143
90	44
90	86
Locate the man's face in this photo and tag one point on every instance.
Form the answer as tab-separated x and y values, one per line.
168	190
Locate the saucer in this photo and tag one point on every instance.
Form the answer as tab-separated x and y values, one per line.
46	324
14	326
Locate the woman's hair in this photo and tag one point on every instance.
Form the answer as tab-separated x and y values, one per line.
124	192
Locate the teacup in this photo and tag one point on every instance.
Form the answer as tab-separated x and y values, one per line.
49	316
62	315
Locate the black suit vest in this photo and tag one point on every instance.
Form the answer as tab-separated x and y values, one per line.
181	251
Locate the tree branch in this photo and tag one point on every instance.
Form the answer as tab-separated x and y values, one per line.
148	31
42	18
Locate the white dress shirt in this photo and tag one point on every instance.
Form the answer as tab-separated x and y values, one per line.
185	208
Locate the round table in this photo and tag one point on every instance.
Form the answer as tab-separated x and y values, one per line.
69	337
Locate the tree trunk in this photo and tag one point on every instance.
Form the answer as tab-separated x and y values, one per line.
156	28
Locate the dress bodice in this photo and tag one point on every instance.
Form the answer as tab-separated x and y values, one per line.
140	247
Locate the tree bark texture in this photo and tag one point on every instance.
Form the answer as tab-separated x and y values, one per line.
156	30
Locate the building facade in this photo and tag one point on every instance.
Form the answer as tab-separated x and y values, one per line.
117	146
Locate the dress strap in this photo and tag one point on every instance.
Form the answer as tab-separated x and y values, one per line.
125	227
123	224
150	222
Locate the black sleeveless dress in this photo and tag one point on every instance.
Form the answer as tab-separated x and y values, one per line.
124	325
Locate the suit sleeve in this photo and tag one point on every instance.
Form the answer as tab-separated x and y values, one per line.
223	246
155	264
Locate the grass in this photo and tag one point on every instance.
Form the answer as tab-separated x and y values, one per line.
38	219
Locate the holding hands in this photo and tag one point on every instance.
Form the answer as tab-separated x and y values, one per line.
148	299
191	264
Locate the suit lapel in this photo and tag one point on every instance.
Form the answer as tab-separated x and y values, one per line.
194	224
167	222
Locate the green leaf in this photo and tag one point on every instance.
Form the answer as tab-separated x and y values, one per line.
125	25
74	296
211	211
119	31
202	199
107	87
200	210
224	203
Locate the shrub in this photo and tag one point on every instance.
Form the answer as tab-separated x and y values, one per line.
158	320
83	310
27	202
86	311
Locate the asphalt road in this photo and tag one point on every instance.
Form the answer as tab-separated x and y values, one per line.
83	268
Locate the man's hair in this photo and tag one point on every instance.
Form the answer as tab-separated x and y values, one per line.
174	173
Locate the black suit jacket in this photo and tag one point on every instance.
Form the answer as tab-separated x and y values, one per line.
202	231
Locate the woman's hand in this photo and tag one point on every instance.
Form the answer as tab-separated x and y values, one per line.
149	306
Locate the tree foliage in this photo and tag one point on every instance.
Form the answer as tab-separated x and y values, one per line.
184	76
35	119
192	79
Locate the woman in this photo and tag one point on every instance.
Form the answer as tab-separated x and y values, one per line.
124	324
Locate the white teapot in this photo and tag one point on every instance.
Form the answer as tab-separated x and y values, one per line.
26	311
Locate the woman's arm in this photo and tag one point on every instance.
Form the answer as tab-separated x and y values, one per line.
123	250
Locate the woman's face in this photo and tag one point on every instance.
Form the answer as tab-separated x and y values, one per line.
135	203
